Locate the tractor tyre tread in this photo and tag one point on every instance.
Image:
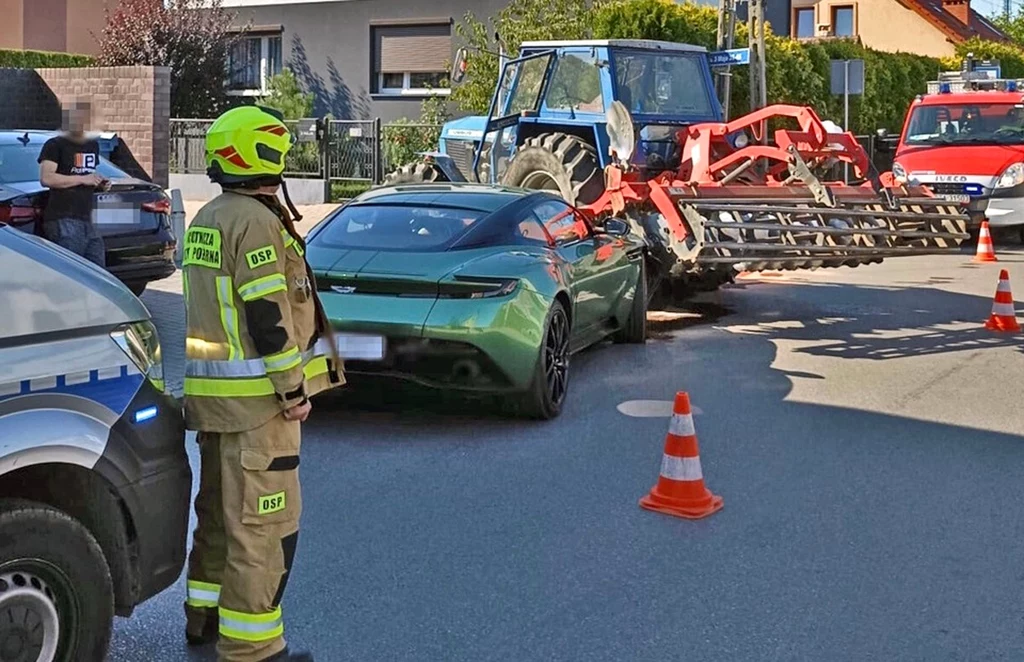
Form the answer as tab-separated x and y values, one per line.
579	162
414	173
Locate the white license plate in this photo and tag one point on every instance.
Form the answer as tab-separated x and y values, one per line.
957	197
360	347
115	216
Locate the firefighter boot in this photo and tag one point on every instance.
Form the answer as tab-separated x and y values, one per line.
200	626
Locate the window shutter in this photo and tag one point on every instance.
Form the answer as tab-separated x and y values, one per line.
412	48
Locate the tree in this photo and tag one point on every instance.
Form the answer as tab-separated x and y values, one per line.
521	20
191	37
1012	25
286	95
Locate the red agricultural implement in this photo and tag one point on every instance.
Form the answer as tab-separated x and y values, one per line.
752	206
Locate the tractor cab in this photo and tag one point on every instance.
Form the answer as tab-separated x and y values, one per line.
557	97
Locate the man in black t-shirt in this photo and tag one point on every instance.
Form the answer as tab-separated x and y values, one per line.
67	166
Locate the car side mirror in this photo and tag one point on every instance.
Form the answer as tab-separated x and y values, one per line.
459	65
616	227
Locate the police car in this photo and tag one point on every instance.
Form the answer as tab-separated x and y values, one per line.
94	478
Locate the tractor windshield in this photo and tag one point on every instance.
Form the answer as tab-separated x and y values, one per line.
524	80
667	84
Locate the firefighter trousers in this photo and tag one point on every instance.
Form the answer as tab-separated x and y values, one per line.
248	510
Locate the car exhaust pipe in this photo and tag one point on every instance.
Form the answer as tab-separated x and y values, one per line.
466	370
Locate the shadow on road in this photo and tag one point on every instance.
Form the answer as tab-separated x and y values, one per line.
880	323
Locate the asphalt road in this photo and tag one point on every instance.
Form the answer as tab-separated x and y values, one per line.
867	436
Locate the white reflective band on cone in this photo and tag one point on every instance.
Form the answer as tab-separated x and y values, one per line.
682	425
681	468
1004	310
1004	286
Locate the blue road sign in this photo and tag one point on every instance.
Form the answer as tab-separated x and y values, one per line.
725	58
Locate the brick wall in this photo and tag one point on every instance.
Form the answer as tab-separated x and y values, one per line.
135	102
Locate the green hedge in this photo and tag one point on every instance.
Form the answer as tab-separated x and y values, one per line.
41	60
797	71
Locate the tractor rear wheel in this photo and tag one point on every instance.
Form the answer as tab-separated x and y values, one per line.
415	173
559	163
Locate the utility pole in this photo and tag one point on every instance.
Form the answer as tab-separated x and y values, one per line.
756	68
755	32
726	37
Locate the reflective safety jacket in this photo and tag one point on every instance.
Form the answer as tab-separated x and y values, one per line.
254	345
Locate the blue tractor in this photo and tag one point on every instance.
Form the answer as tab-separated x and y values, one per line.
633	129
548	123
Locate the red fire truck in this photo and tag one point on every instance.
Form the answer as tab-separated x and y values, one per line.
965	141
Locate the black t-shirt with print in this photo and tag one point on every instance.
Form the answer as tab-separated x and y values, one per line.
72	158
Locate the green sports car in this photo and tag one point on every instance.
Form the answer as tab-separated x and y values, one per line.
462	286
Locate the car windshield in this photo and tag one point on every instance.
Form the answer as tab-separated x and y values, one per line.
398	227
19	163
663	84
968	123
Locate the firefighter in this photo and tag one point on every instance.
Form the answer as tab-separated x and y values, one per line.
258	347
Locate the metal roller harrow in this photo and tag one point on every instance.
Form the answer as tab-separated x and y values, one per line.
795	234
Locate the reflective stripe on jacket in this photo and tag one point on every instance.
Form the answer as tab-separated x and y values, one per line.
252	342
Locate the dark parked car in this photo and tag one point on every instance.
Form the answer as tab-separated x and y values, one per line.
133	216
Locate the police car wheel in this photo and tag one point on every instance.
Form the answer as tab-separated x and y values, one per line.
56	595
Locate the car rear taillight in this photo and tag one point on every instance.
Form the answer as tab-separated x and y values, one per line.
19	211
158	206
464	287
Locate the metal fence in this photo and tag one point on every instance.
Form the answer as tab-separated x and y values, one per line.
350	155
353	155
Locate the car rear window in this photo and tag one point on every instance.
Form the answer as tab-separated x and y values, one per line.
398	227
19	163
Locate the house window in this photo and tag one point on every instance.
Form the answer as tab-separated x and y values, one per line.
842	22
253	60
803	23
411	59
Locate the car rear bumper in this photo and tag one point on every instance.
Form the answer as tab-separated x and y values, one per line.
466	344
141	258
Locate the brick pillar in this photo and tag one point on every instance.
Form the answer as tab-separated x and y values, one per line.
135	103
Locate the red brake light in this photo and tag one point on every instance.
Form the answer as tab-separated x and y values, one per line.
158	206
19	212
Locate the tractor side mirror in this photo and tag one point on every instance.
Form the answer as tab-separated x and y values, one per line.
459	65
616	227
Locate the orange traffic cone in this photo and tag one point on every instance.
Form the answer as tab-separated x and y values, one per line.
680	490
1004	317
986	251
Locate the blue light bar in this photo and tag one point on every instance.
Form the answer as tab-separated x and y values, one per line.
1011	86
973	189
145	414
944	88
